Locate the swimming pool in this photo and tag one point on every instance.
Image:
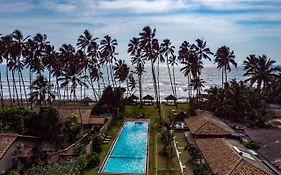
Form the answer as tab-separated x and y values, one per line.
129	152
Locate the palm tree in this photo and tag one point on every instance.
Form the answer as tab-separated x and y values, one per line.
121	71
150	48
184	58
6	54
1	61
167	52
40	49
260	70
95	74
225	57
107	55
17	63
135	51
88	44
42	92
131	83
72	72
197	85
201	49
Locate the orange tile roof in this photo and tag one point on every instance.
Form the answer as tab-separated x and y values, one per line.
205	124
85	113
223	159
6	140
96	120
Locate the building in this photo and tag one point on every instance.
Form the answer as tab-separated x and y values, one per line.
220	147
229	157
15	146
88	120
205	125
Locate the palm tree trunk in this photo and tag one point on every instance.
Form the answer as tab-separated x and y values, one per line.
140	89
24	88
111	74
225	74
158	81
155	87
78	106
93	88
15	86
169	72
174	79
20	87
99	89
9	88
107	75
2	94
222	78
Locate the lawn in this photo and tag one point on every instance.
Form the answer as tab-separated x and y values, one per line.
157	162
184	156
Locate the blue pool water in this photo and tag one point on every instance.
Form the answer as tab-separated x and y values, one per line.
129	153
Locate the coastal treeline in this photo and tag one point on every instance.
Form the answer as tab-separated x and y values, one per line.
81	66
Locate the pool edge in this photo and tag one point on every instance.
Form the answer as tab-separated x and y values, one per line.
114	142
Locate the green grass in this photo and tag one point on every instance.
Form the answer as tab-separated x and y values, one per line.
165	165
184	156
112	131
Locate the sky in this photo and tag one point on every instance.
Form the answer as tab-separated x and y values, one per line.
245	26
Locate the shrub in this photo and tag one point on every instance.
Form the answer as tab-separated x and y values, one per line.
13	119
252	144
203	170
96	144
93	160
12	172
80	149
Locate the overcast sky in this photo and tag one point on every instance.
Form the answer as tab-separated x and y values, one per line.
246	26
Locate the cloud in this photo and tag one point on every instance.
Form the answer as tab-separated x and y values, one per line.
239	24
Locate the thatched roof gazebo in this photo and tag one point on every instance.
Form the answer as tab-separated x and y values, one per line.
148	99
87	100
171	100
132	99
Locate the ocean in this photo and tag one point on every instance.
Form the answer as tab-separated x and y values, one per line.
210	74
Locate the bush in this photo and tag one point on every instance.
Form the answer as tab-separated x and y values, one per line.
96	144
252	144
13	119
93	160
45	124
111	101
80	149
13	172
180	116
203	170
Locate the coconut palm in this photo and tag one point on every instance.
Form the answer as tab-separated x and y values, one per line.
6	54
107	55
131	83
86	42
260	70
197	85
16	63
225	57
1	61
136	59
42	91
184	55
167	52
72	72
40	49
95	75
201	49
150	48
121	71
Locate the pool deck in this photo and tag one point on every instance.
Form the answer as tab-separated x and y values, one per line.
115	140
